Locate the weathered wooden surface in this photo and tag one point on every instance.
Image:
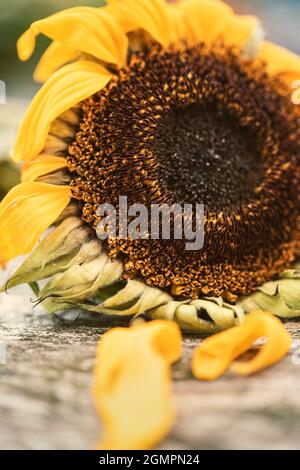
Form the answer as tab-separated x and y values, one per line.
45	399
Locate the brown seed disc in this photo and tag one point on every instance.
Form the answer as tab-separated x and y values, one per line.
195	126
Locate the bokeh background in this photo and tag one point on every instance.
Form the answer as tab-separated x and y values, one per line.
281	20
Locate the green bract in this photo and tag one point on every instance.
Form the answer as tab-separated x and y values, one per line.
81	276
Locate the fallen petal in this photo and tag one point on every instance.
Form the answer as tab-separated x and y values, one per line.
132	384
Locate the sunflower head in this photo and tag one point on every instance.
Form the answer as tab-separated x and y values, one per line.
164	103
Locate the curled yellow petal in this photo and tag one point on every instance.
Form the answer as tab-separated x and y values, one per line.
212	358
26	212
66	88
280	61
55	56
153	17
91	30
217	353
41	166
277	345
132	384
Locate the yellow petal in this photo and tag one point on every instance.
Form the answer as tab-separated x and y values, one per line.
55	56
213	357
240	31
217	353
91	30
153	17
66	88
41	166
26	212
205	20
280	61
178	27
132	384
278	343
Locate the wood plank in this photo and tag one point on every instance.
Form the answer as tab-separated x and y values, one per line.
45	400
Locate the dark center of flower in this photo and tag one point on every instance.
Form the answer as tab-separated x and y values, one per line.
205	158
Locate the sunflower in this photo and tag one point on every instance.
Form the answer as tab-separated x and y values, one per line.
179	102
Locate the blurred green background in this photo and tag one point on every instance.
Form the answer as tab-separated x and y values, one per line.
281	20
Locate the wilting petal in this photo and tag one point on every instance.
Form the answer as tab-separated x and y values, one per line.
66	88
55	56
217	353
83	280
91	30
209	315
26	212
280	61
41	166
132	384
133	299
152	17
55	253
280	296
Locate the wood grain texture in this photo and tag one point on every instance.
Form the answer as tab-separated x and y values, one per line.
45	399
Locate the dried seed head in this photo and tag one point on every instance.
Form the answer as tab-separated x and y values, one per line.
195	125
